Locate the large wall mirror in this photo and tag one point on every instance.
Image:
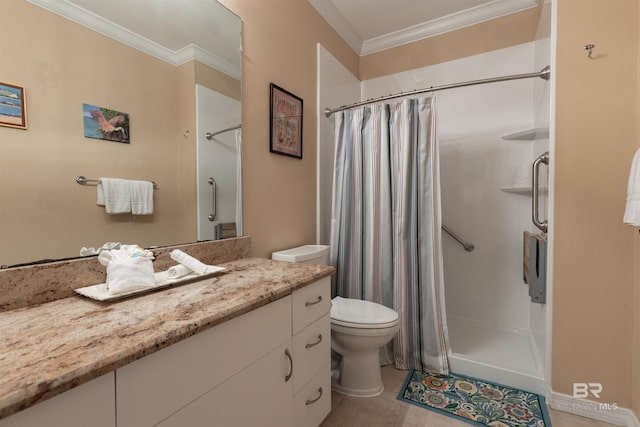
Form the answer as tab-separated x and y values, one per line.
174	68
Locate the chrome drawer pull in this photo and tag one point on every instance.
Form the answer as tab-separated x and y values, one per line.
313	344
308	304
288	354
312	401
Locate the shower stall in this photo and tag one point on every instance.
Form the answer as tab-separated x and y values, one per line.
496	331
489	137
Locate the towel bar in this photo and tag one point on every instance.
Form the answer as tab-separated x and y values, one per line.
82	180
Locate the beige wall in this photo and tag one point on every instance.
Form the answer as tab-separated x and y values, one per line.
279	46
596	136
635	378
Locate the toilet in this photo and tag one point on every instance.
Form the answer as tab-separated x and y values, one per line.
358	330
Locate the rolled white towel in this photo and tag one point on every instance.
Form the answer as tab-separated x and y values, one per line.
188	261
178	271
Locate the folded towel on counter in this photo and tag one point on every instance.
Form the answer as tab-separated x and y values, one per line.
632	211
188	261
141	197
129	274
128	268
120	196
115	195
178	271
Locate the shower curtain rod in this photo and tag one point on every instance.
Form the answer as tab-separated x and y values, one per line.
545	73
210	135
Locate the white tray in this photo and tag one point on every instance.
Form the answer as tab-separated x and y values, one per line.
99	292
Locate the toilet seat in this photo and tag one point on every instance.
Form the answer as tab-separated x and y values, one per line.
357	313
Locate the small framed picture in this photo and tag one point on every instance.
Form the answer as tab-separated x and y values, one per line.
13	106
103	123
286	123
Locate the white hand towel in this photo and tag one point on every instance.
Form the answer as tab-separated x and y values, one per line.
178	271
115	195
129	274
632	212
141	197
188	261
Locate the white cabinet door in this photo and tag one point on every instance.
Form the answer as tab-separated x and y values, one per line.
90	404
156	386
260	395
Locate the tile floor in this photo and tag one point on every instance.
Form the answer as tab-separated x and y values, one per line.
386	411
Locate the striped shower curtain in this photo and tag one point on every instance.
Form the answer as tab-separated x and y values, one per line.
385	224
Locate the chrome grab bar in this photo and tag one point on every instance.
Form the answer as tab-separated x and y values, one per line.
542	225
469	247
213	191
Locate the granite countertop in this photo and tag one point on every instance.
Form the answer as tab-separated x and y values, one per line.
50	348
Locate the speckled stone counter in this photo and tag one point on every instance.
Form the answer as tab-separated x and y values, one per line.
49	348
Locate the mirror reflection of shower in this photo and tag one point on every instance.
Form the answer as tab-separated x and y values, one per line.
219	154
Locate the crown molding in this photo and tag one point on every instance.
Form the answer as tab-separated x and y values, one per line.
464	18
114	31
195	52
491	10
334	18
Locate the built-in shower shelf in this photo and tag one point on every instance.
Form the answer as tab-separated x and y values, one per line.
528	135
523	190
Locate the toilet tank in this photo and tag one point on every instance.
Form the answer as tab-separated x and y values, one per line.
308	254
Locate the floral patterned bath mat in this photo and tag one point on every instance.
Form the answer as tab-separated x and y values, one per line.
474	401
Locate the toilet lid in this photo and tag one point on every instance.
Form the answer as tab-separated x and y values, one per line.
361	313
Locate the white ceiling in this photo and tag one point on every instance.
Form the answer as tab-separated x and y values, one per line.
175	31
370	26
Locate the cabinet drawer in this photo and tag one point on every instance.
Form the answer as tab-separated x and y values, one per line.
310	303
311	351
150	389
313	402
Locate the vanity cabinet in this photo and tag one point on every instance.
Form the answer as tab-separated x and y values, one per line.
268	367
91	404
